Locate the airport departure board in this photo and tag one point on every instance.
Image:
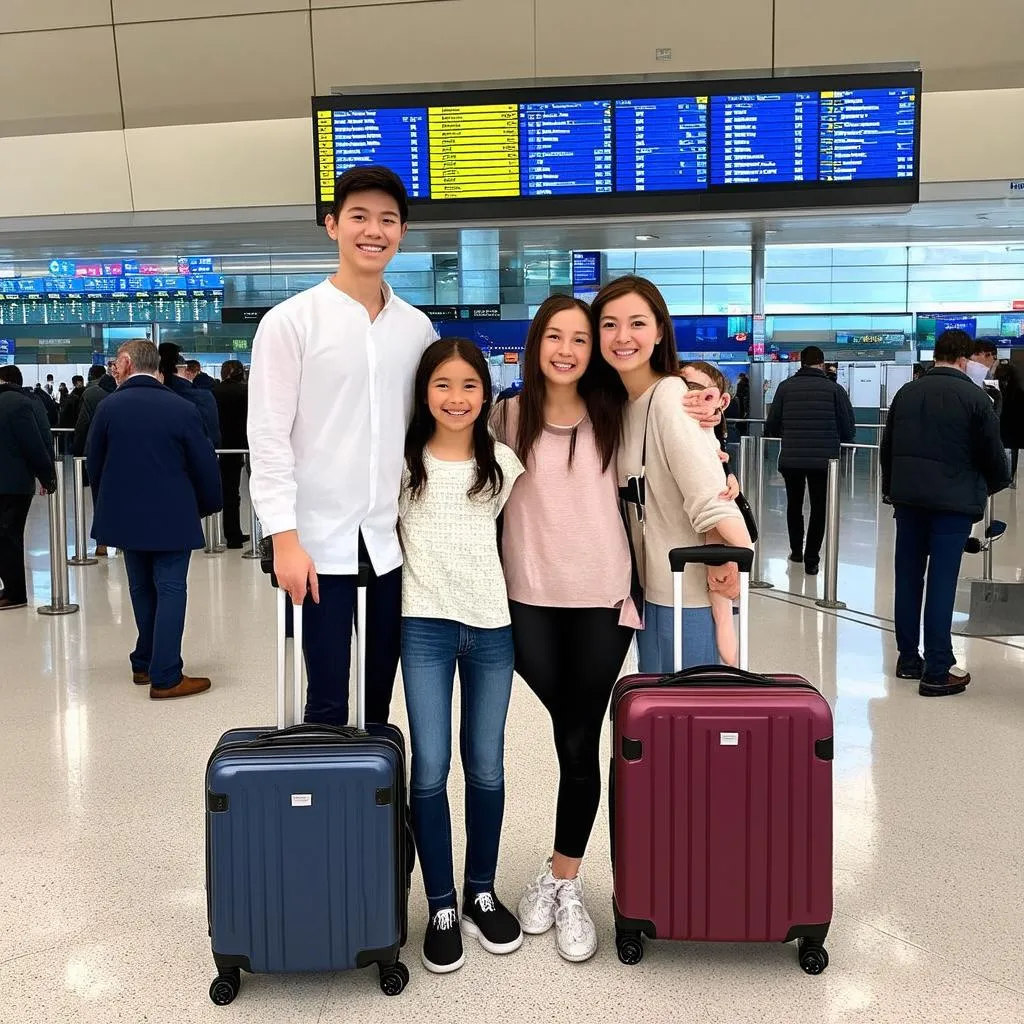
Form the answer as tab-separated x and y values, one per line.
654	147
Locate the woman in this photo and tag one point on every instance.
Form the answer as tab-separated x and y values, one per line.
665	464
568	570
1011	416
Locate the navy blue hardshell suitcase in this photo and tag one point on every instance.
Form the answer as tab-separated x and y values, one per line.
309	852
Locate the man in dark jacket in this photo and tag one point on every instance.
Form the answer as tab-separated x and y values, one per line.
154	477
232	396
941	458
194	372
813	416
26	455
100	385
175	376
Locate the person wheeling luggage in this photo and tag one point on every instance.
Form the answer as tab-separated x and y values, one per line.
154	477
669	471
813	416
330	395
455	613
567	566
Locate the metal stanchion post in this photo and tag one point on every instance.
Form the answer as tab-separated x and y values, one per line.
59	604
208	548
746	463
255	533
986	557
757	476
830	600
81	543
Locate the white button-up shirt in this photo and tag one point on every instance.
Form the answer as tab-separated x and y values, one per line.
330	397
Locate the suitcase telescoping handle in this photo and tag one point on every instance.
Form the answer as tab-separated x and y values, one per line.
362	579
710	554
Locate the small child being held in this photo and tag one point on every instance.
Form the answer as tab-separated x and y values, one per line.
714	388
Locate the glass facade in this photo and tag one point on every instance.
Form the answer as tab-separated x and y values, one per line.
809	288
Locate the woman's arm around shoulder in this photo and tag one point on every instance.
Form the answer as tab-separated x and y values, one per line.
692	462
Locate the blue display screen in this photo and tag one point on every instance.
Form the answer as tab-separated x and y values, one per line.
764	138
586	269
868	134
565	148
661	145
394	137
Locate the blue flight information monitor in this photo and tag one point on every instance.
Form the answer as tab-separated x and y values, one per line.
868	134
565	148
661	144
764	138
394	137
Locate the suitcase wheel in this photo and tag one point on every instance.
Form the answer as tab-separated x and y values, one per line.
225	987
813	956
630	947
394	978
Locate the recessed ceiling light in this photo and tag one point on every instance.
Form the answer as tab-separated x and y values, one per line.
646	238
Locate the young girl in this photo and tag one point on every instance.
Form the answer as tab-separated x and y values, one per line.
681	480
568	570
455	612
711	382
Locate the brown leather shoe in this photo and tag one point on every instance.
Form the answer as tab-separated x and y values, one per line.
101	550
141	679
187	686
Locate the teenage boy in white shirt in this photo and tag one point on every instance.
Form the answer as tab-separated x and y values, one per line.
330	397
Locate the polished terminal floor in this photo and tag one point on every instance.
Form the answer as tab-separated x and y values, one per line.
104	914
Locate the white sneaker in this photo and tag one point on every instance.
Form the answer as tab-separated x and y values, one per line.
537	907
576	936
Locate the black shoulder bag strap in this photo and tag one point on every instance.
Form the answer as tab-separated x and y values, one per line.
635	494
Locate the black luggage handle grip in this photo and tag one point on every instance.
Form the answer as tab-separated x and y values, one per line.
711	554
722	675
310	732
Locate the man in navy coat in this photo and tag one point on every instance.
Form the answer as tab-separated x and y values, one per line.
154	476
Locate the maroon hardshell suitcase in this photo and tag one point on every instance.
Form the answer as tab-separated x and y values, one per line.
721	800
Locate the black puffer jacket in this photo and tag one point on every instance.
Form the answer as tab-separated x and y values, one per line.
941	448
813	416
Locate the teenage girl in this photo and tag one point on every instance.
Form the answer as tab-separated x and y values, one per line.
710	381
568	569
455	613
682	485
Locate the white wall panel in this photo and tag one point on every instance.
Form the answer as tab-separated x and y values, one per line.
608	37
240	163
63	174
972	136
31	15
128	11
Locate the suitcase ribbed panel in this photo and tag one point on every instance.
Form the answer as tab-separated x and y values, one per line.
296	886
723	826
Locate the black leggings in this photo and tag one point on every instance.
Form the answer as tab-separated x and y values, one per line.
571	657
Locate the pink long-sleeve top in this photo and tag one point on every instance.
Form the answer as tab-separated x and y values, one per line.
564	544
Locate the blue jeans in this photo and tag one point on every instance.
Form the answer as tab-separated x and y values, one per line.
655	641
431	648
931	542
158	584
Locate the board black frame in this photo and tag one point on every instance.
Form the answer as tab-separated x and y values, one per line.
713	199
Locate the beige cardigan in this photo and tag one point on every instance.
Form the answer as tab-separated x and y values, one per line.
684	480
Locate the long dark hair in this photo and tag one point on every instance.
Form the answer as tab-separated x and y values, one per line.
664	358
489	477
605	413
